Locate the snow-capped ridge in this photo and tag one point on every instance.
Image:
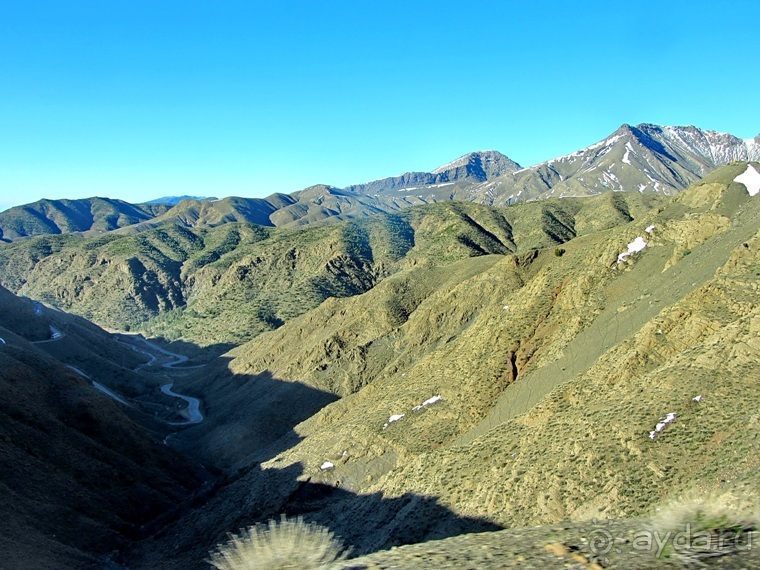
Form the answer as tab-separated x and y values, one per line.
647	158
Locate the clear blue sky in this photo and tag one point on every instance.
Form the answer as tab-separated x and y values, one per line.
139	99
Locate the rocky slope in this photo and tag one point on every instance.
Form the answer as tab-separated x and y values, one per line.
507	390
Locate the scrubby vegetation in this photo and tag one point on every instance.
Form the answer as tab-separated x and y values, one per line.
705	525
280	545
229	283
443	371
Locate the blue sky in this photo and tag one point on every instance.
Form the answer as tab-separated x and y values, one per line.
141	99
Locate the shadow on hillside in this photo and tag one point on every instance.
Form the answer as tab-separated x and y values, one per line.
78	477
250	419
196	354
363	523
373	522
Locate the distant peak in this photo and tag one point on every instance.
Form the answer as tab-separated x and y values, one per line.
320	188
624	128
491	161
648	128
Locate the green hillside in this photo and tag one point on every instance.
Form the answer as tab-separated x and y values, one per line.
229	283
448	370
552	369
67	216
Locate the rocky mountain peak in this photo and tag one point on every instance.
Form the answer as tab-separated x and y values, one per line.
483	165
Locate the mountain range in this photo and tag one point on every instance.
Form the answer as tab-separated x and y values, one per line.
647	158
226	284
485	363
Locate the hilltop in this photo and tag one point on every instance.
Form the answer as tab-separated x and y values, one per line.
174	200
68	216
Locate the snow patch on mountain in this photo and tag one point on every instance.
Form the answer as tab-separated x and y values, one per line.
606	144
427	402
751	180
628	150
661	424
461	161
635	246
393	418
753	148
719	148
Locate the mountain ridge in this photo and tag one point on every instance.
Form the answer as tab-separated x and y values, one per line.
174	200
185	277
69	216
645	157
477	166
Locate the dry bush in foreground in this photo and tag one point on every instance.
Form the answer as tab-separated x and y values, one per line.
281	544
702	527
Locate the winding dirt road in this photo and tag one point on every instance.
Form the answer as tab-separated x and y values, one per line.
193	412
99	386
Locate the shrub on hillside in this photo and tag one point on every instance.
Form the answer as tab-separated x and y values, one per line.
280	545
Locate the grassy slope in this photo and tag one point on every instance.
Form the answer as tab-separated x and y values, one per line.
636	341
583	450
